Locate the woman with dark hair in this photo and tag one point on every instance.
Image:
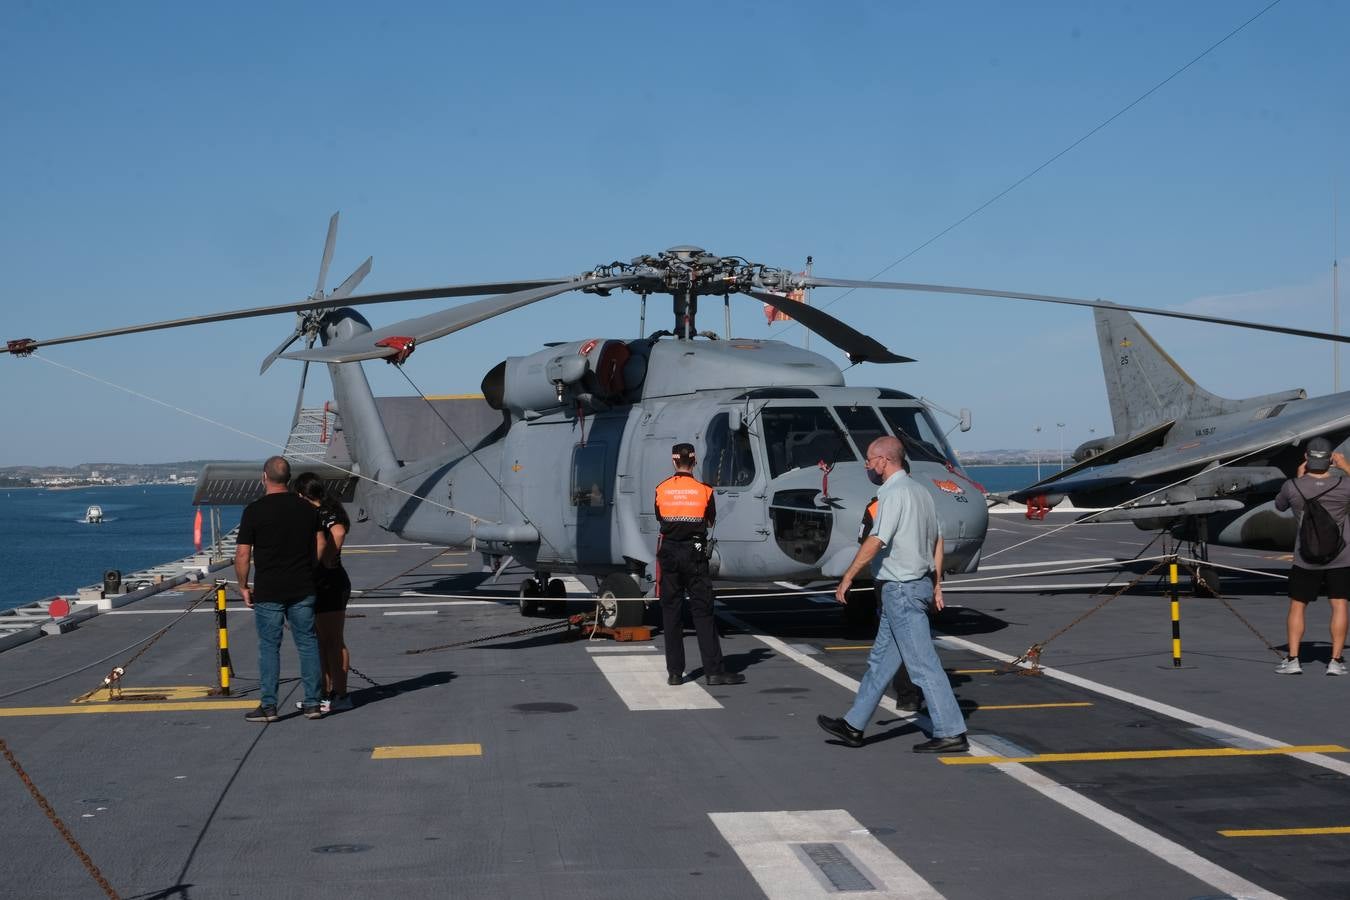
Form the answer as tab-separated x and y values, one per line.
333	589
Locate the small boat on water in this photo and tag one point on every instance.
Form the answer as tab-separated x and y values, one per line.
93	515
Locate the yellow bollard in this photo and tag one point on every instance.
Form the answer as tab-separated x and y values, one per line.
1176	617
223	646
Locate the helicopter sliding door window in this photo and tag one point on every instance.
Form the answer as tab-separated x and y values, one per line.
588	476
728	460
922	439
799	437
862	425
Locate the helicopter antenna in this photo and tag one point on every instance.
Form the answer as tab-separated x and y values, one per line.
1335	292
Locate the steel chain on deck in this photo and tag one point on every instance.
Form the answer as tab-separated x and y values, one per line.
578	620
1250	627
114	676
1032	655
57	823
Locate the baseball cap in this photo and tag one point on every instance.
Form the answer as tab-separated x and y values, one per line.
1319	455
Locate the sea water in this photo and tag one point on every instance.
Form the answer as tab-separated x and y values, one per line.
46	548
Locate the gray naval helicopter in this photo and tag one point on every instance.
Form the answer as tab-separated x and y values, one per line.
564	483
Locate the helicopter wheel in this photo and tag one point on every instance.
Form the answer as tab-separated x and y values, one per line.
1205	582
529	597
620	601
556	592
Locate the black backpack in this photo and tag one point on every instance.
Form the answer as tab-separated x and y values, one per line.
1319	534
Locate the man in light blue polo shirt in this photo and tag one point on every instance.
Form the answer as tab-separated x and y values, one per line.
905	552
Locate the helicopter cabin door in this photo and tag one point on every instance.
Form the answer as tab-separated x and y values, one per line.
588	509
728	464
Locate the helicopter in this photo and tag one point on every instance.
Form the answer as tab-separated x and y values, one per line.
563	483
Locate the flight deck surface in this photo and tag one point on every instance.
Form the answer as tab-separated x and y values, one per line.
544	766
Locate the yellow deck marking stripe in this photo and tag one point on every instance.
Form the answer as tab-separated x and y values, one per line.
126	707
972	671
1283	832
423	751
168	692
1114	755
982	708
448	565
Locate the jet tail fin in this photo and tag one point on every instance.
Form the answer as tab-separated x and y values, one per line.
1146	387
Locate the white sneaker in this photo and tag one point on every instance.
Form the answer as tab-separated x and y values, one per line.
325	705
1336	667
1290	666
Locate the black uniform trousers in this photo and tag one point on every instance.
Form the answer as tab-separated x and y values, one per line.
684	571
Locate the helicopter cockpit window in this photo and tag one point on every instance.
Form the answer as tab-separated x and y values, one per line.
588	476
727	458
801	436
922	439
862	425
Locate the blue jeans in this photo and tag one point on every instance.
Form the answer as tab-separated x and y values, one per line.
268	617
904	636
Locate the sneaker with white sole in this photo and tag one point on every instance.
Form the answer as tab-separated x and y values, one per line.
1336	667
1290	666
324	705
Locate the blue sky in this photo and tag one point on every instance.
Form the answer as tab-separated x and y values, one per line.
163	160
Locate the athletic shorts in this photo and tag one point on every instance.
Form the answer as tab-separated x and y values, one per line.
332	588
1309	584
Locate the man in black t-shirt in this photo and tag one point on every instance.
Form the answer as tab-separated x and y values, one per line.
281	536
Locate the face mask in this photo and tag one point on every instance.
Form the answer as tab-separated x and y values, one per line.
875	477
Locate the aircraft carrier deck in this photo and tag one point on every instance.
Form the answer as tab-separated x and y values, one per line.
547	767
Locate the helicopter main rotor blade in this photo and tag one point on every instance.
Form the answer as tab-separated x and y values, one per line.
814	281
453	290
328	244
353	280
447	321
856	345
272	357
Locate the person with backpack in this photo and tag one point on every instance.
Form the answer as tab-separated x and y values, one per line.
1320	496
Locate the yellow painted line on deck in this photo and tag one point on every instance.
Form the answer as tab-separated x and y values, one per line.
448	565
1117	755
126	707
1283	832
972	671
983	708
424	751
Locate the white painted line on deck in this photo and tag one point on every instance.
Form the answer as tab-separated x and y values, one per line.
956	588
1167	850
1050	562
640	682
596	647
1251	737
412	612
402	603
771	845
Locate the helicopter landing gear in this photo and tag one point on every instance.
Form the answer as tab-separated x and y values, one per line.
529	595
556	592
542	593
621	601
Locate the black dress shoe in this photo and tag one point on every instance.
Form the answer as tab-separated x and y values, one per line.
725	678
674	680
842	730
954	744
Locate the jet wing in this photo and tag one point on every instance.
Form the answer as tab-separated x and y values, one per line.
1292	428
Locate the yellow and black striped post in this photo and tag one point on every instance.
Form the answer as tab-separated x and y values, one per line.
1176	615
223	645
